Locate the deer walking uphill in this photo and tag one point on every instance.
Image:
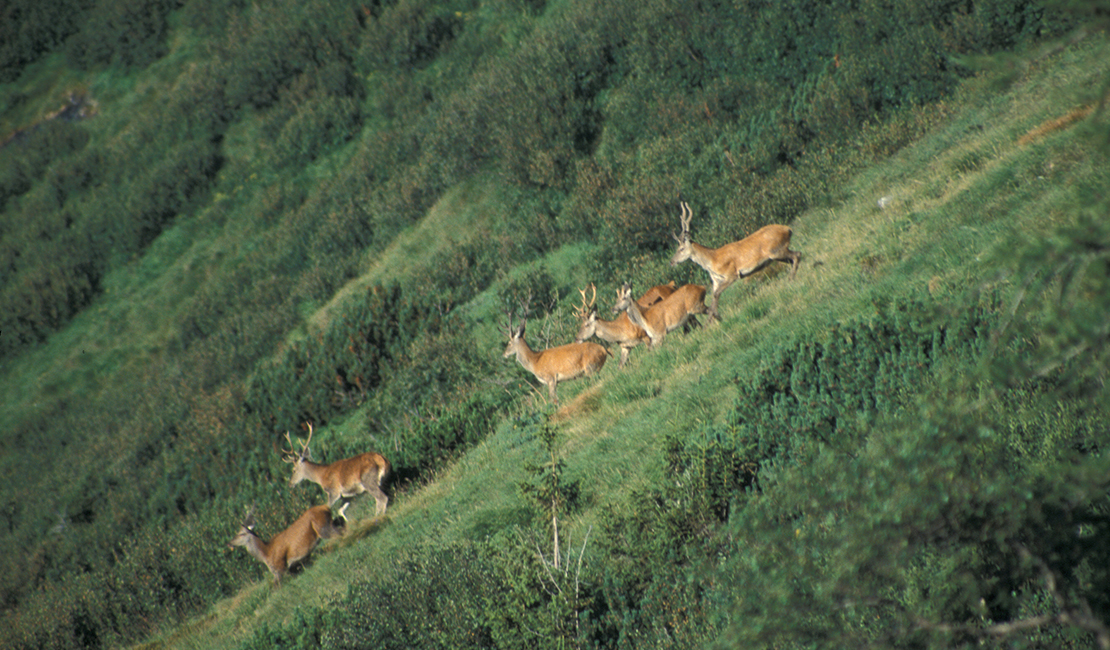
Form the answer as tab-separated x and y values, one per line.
736	260
553	365
291	545
621	331
344	478
667	315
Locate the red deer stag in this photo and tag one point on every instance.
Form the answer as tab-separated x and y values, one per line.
664	316
291	545
738	259
620	331
553	365
344	478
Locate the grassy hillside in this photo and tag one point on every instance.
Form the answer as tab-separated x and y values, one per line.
258	224
993	176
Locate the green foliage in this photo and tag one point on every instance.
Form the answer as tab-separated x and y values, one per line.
130	34
30	152
830	393
434	599
549	493
30	29
408	33
265	58
303	633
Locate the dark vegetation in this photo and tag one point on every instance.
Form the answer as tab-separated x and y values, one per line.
304	136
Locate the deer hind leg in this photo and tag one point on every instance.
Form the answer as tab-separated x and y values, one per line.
793	257
624	356
381	499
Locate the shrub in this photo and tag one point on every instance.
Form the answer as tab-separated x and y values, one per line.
429	599
30	30
130	34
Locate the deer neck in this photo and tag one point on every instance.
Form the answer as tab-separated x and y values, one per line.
258	549
637	317
525	356
313	471
703	256
612	330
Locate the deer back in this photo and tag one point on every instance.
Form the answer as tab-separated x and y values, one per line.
673	311
620	330
298	540
569	361
655	294
744	257
343	474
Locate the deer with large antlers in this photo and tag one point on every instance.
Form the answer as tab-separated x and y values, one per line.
553	365
621	331
291	545
344	478
736	260
665	316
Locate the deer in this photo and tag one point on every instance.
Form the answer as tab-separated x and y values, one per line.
655	294
345	478
665	316
553	365
292	545
620	331
739	259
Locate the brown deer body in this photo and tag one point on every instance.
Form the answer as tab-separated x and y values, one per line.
553	365
736	260
665	316
620	330
655	294
291	545
344	478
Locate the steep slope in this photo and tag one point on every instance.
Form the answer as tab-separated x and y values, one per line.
914	235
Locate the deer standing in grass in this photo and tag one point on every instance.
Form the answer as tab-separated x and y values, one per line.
665	316
621	331
344	478
291	545
738	259
553	365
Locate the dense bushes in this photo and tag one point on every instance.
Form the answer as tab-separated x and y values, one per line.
130	34
832	392
30	29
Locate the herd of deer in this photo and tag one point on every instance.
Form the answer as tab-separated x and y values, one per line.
662	309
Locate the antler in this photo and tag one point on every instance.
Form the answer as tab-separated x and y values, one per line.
582	312
687	215
288	455
291	456
248	519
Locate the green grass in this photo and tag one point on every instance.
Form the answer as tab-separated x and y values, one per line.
957	195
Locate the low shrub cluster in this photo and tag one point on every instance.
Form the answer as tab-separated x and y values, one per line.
832	392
